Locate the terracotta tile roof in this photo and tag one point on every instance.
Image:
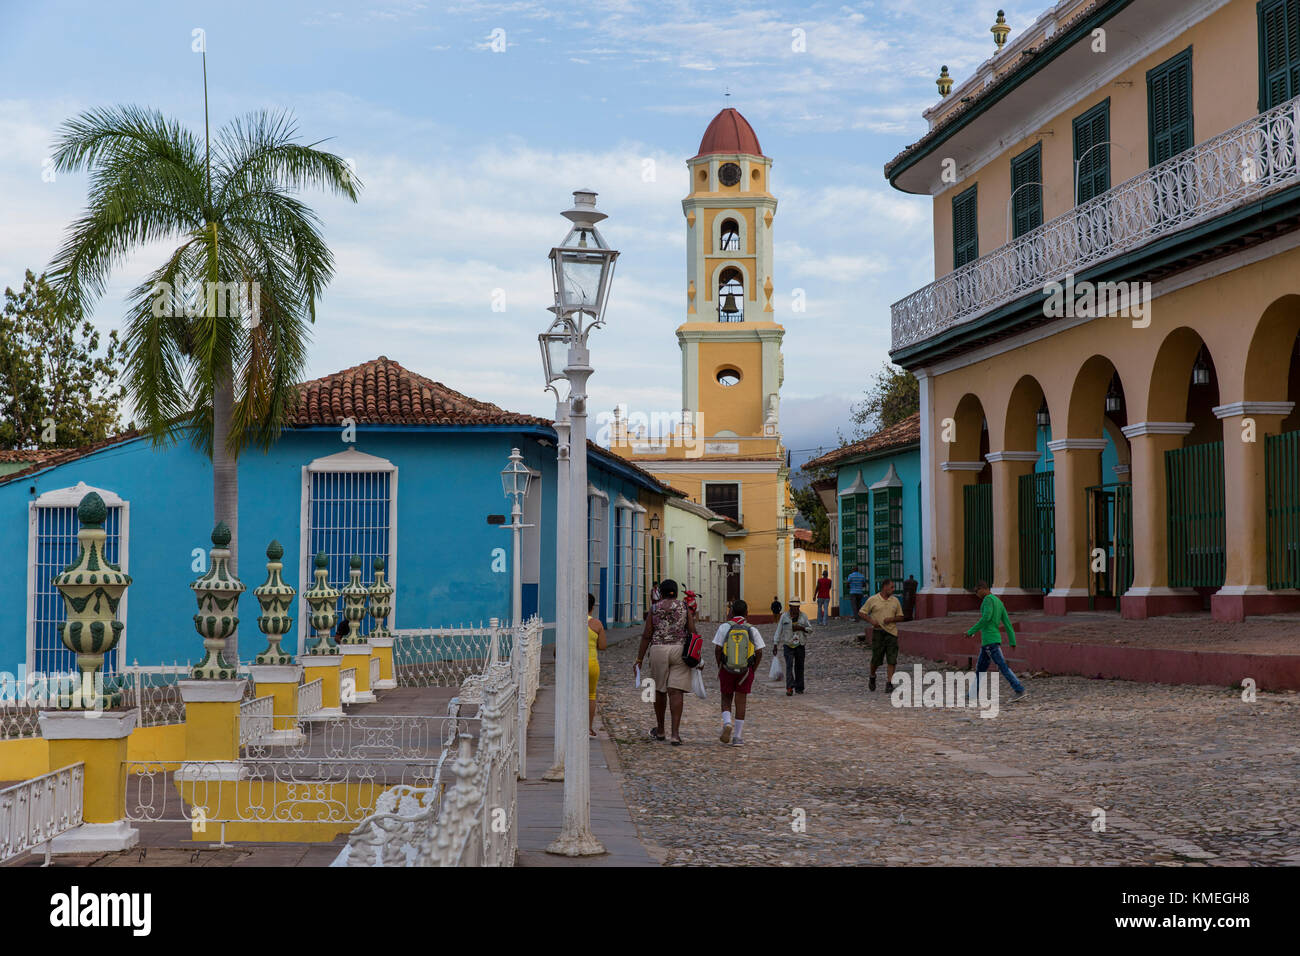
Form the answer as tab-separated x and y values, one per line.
899	435
382	392
11	455
1027	57
45	458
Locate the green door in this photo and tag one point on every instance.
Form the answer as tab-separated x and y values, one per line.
1282	480
1110	530
977	501
1196	517
1037	509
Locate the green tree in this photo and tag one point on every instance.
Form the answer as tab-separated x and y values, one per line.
810	506
57	390
216	337
892	396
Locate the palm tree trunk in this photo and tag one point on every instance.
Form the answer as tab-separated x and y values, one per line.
225	484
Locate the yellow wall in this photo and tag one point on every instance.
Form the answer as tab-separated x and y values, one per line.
738	408
1225	92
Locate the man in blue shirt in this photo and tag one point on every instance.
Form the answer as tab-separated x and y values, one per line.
857	582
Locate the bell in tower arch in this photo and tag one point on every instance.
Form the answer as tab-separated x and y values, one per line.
729	287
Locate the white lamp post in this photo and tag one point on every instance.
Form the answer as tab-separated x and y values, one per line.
554	344
515	478
581	268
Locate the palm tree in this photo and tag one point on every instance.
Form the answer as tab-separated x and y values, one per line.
216	337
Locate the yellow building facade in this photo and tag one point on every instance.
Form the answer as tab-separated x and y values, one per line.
727	454
1107	356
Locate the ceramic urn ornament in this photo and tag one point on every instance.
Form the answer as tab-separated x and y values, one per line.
92	590
381	601
323	601
218	595
354	602
275	598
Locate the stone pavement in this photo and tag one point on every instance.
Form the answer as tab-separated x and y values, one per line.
1185	775
541	802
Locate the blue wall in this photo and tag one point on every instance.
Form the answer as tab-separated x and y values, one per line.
907	464
448	482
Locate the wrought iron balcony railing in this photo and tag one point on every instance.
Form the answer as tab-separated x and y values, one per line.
1230	170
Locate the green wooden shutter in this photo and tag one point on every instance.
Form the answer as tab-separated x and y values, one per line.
862	513
848	540
1026	198
887	536
1169	107
965	228
1093	165
1279	52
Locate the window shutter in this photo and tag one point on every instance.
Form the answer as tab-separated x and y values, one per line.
1092	129
1027	202
1169	107
1279	51
965	228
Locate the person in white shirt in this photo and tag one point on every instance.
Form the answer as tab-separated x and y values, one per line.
791	636
739	683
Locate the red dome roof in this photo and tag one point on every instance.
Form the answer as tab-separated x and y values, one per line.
729	133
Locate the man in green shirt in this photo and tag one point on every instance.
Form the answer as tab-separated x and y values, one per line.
993	615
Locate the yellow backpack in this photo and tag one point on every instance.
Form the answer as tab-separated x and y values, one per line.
737	648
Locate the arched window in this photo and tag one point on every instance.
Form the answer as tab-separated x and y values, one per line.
731	296
729	236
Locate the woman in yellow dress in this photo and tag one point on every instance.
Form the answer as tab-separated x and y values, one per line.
595	642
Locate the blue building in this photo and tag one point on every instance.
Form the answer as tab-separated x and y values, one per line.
872	493
378	462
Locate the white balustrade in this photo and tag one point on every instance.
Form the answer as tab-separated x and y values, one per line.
35	811
311	697
256	719
1229	171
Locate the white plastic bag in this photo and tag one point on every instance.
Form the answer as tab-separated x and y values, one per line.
697	683
777	670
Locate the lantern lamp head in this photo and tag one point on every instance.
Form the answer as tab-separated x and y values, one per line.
581	266
515	477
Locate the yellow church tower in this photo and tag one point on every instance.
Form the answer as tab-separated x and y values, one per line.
727	454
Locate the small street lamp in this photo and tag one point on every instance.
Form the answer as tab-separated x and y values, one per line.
515	478
581	269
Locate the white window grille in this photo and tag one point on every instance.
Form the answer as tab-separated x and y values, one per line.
638	562
350	508
51	547
624	562
690	568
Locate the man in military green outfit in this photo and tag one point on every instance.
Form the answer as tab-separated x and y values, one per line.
993	615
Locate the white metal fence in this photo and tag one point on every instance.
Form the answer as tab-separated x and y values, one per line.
474	823
1231	170
35	811
444	656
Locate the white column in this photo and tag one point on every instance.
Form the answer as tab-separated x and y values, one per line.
576	838
562	547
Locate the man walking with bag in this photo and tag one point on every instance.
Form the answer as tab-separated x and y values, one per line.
738	648
791	634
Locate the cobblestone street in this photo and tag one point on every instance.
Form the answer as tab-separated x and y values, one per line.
1185	775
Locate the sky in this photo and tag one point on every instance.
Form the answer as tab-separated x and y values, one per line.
470	124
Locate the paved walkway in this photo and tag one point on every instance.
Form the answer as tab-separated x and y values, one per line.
541	802
1083	772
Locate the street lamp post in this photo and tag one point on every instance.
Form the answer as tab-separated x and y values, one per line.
562	538
581	268
515	478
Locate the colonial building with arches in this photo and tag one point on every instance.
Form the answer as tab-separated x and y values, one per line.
1107	355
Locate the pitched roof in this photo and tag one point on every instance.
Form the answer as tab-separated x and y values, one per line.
898	435
729	132
46	458
11	455
382	392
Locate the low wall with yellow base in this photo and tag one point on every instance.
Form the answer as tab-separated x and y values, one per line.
27	757
382	648
325	668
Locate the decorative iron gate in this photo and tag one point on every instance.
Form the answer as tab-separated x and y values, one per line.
978	524
1038	531
1196	518
1282	471
1110	530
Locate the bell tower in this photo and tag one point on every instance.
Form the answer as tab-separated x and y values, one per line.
731	344
727	454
